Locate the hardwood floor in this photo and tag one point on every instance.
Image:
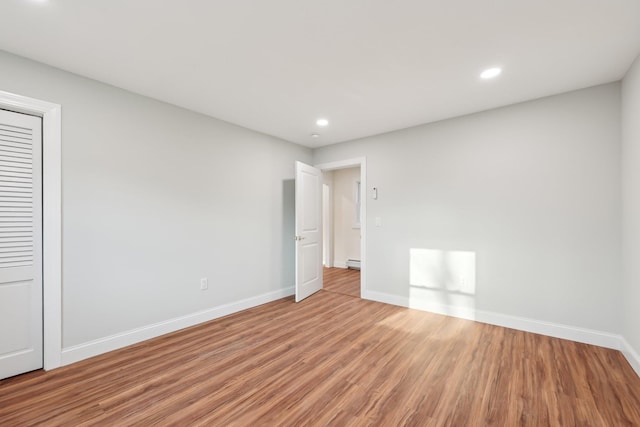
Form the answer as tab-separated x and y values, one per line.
342	281
334	360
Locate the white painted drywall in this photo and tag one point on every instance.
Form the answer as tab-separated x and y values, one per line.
631	204
156	197
346	238
530	193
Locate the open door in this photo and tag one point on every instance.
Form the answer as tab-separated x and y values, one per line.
308	230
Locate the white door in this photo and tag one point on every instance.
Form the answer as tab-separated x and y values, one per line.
20	243
308	230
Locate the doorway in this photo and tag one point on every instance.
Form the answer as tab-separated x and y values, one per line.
344	226
342	230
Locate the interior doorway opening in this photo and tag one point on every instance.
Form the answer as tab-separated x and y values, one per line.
344	226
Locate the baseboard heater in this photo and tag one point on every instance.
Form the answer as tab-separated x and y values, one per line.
353	263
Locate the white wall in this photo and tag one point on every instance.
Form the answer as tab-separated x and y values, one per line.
631	206
513	211
156	197
346	238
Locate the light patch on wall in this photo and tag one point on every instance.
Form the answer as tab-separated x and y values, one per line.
443	281
438	269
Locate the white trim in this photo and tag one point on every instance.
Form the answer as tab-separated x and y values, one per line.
339	265
362	163
357	197
386	298
103	345
587	336
327	222
341	164
632	356
52	217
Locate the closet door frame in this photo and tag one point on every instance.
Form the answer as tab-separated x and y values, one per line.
51	217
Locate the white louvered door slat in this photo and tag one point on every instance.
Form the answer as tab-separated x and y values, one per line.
20	243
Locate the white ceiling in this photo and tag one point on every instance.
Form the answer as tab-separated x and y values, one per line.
369	66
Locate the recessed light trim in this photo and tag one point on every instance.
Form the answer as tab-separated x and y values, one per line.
315	135
491	73
322	122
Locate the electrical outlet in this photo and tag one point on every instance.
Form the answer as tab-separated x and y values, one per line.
204	284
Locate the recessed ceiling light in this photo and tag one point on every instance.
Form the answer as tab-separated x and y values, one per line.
491	73
322	122
315	135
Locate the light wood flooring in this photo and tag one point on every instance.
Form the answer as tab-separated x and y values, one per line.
334	360
342	281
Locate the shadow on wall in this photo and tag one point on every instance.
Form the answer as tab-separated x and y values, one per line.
288	232
443	281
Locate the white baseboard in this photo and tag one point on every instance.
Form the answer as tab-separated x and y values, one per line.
339	265
385	298
587	336
632	356
103	345
89	349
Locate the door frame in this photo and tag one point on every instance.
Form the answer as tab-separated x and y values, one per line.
327	223
51	218
351	163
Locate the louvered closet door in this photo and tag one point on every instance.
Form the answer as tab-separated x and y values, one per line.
20	243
